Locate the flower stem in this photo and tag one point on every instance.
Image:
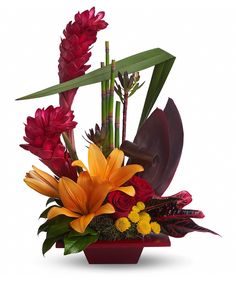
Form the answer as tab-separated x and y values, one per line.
71	150
107	59
104	101
125	107
72	138
107	89
107	50
111	106
117	125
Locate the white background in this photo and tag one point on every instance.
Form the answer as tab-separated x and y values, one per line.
201	34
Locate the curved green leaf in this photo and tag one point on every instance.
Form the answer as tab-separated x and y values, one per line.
48	243
75	242
157	57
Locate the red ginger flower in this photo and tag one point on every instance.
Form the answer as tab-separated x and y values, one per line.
43	138
74	49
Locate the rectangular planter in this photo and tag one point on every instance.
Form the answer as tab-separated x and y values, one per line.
119	252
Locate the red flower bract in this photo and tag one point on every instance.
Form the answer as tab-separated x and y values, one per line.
43	139
74	49
123	203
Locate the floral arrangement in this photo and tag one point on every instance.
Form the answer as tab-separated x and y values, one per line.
108	199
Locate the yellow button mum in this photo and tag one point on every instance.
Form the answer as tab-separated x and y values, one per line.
140	205
144	227
145	216
156	228
134	217
135	208
122	224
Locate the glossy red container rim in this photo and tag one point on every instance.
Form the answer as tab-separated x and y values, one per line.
160	240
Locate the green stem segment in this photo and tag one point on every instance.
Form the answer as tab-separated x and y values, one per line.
71	150
117	125
111	106
104	100
107	50
107	95
107	60
125	107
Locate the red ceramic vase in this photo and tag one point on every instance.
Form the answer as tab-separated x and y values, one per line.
119	252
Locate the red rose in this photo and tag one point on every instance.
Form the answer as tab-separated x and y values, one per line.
121	202
143	191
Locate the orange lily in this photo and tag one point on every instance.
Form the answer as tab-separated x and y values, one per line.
84	200
109	170
42	182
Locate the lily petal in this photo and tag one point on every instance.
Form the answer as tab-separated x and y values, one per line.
72	195
97	161
82	222
129	190
55	211
98	194
84	180
105	209
123	174
114	161
40	187
48	178
79	163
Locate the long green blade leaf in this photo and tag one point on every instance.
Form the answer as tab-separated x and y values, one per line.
131	64
159	76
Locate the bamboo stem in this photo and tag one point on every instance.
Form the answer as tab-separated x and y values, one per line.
125	107
107	90
107	50
107	60
111	106
104	102
117	125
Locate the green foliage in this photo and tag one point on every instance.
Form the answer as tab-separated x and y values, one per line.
159	76
157	57
45	212
48	243
59	226
130	64
76	242
44	226
127	84
56	228
56	200
69	146
50	200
